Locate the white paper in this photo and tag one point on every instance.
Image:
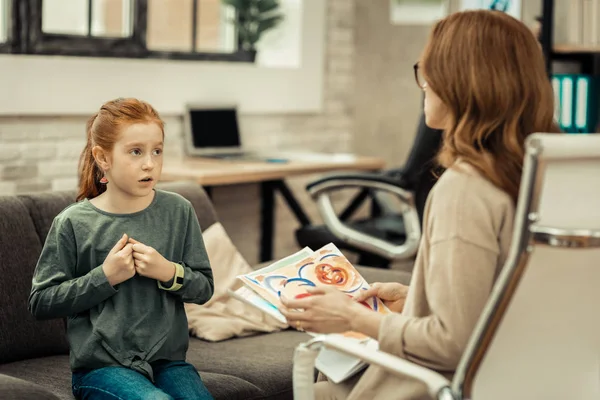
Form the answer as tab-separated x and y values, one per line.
337	366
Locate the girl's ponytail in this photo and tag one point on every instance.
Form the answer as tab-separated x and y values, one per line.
89	172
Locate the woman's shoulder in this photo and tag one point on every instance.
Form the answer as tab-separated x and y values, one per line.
463	182
466	205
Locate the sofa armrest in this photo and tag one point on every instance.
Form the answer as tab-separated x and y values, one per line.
18	389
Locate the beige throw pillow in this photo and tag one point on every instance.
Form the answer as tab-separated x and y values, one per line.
224	317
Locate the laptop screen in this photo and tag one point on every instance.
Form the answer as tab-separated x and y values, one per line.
214	128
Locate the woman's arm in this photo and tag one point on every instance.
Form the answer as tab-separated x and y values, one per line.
56	292
459	281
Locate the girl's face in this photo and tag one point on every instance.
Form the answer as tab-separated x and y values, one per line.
436	112
135	163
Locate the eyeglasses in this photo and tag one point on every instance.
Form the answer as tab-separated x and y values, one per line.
419	77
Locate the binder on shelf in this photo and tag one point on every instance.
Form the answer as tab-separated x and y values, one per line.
576	102
586	105
566	103
556	88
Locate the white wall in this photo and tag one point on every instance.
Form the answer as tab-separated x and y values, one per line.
42	85
281	46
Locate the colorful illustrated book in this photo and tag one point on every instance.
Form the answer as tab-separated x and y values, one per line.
291	276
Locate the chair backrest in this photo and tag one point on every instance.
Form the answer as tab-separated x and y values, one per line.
539	335
418	168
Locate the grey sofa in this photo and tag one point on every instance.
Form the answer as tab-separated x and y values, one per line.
34	360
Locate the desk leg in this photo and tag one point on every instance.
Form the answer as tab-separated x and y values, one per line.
267	219
267	214
293	203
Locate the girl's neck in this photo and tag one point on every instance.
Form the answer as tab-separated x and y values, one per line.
119	203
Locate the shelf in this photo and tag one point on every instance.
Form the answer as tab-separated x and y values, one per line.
575	49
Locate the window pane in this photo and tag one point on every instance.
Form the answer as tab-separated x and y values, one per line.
170	25
112	18
3	20
214	32
65	16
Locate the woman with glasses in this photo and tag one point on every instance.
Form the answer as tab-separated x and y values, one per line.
485	85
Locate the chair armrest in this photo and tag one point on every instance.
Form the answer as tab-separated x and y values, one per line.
363	180
437	385
14	388
320	189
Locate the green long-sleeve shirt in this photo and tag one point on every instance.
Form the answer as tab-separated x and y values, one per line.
135	322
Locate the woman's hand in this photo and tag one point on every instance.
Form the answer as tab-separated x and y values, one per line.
150	263
392	294
324	310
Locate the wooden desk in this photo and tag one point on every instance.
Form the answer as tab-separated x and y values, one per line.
214	172
271	176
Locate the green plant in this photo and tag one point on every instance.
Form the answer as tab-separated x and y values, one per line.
253	19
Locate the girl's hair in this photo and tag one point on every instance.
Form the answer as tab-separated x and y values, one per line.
488	69
103	130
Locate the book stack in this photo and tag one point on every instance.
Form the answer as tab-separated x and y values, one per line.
584	22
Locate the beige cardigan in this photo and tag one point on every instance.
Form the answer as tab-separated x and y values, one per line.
468	226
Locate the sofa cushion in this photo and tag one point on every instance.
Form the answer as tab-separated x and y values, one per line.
264	360
43	207
21	336
224	316
54	375
17	389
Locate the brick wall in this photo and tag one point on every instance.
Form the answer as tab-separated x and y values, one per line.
41	153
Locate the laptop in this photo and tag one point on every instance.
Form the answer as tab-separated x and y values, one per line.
213	131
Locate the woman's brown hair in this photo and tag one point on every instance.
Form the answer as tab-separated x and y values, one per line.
103	130
488	69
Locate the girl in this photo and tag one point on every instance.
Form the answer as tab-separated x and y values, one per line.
486	86
121	261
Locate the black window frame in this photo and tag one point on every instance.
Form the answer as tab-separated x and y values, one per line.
25	36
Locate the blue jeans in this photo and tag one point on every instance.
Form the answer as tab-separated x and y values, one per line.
173	380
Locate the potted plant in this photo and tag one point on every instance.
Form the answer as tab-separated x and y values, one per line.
253	19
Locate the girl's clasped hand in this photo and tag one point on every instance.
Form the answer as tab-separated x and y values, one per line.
128	257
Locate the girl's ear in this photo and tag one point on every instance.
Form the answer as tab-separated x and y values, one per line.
101	157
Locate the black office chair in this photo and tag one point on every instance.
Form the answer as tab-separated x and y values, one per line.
388	234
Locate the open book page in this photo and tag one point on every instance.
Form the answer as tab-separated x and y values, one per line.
324	267
291	259
248	296
252	298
